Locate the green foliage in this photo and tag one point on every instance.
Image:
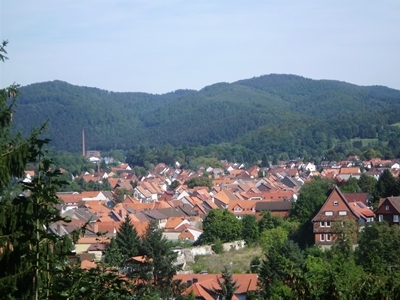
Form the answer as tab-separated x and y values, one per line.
113	256
218	246
268	221
155	274
312	196
273	116
387	185
350	186
199	181
174	184
272	238
281	263
220	224
377	245
227	286
250	231
127	239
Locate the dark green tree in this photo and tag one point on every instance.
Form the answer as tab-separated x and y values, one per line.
279	268
199	181
220	224
127	239
386	186
155	273
377	245
29	255
312	196
174	184
33	259
367	184
227	285
250	232
268	221
113	257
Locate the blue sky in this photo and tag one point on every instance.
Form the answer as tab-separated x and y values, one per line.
160	46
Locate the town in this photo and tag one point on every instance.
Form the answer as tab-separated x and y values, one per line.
177	201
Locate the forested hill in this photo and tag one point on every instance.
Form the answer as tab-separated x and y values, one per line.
255	112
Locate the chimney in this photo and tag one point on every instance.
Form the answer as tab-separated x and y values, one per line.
83	143
195	280
120	213
189	283
59	228
96	228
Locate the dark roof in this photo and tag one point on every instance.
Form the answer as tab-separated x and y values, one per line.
172	212
274	206
395	201
154	214
356	197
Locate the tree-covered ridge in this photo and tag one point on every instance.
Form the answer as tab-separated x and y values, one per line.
298	113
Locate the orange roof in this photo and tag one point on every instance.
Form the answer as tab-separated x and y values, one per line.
69	198
90	194
173	222
349	170
362	209
30	173
108	227
245	282
140	227
86	264
222	196
97	208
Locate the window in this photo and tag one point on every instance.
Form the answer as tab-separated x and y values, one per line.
396	218
322	224
328	237
328	223
335	203
342	224
329	213
387	207
380	218
322	237
342	213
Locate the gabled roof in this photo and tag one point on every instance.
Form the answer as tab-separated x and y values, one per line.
394	201
340	194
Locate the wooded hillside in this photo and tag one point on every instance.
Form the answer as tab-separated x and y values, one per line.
268	114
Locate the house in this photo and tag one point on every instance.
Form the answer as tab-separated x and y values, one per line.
337	209
277	208
241	208
389	210
202	286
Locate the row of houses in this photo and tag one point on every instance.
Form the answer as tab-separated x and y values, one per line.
350	210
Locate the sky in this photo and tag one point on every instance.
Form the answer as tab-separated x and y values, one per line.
161	46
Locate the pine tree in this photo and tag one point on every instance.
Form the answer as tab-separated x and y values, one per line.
127	239
29	255
33	260
113	256
227	286
159	266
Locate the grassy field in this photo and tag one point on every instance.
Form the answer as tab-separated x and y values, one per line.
238	260
365	142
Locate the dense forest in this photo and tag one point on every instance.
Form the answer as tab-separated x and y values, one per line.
283	116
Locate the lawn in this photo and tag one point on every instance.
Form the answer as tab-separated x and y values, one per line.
238	260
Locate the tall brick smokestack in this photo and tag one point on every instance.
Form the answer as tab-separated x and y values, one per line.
83	143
